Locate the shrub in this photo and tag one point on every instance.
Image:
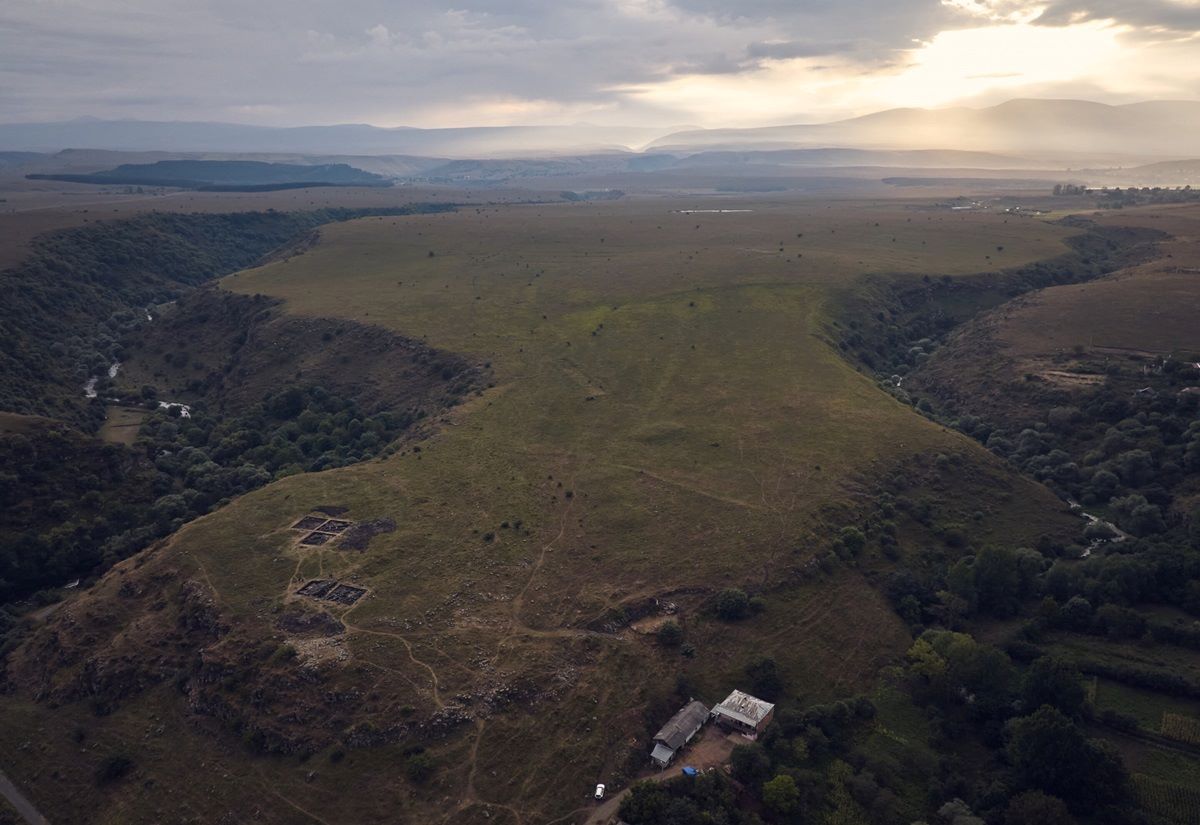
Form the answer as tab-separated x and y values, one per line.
418	767
852	539
113	767
732	605
670	634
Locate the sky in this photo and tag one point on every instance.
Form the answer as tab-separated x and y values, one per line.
708	63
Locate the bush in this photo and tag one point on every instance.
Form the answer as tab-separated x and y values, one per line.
732	605
670	634
418	767
852	539
113	767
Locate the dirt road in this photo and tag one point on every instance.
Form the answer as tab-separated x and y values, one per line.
711	750
22	805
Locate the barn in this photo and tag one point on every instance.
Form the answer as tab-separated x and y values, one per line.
678	731
744	713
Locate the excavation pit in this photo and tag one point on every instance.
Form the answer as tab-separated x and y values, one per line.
317	588
332	591
345	594
309	523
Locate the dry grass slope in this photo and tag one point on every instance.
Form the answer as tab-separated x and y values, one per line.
667	422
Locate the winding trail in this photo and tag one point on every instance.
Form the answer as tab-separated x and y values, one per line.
433	677
23	806
691	488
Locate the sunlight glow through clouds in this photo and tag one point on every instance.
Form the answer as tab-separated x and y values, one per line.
956	64
953	65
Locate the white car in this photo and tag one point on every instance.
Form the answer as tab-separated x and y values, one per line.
600	791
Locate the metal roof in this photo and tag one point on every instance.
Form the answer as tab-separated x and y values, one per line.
662	754
744	708
690	718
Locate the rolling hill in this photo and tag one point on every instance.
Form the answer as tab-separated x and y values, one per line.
225	174
1042	128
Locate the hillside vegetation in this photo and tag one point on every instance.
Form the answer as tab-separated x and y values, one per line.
669	422
80	290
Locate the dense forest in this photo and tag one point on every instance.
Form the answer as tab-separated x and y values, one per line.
79	290
72	506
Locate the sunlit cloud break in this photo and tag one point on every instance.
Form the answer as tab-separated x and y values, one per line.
645	62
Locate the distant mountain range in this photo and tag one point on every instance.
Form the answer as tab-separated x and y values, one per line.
1034	128
1043	130
349	139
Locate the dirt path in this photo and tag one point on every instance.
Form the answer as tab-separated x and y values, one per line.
711	750
517	626
470	796
737	502
23	806
269	789
433	677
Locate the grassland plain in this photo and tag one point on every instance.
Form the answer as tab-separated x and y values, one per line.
667	420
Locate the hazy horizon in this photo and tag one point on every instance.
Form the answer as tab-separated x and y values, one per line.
665	127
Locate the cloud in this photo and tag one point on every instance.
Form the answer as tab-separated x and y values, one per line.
422	62
791	49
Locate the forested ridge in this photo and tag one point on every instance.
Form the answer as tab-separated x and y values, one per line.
80	289
70	505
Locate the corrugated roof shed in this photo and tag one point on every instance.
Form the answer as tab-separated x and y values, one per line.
683	725
662	754
745	708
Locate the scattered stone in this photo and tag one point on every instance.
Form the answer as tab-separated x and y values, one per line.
358	536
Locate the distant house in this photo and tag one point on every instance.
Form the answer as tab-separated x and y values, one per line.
678	732
744	713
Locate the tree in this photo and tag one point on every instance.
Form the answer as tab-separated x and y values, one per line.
1076	614
1054	682
765	680
1049	753
1035	806
732	605
852	539
781	796
418	767
1138	516
750	764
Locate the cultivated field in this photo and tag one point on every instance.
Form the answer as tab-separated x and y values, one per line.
667	420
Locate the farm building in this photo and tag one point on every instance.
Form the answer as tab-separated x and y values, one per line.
678	732
744	713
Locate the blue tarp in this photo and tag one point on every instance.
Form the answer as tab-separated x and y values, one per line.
690	771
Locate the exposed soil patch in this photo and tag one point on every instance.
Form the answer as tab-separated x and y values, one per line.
317	588
332	591
320	530
345	594
358	536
